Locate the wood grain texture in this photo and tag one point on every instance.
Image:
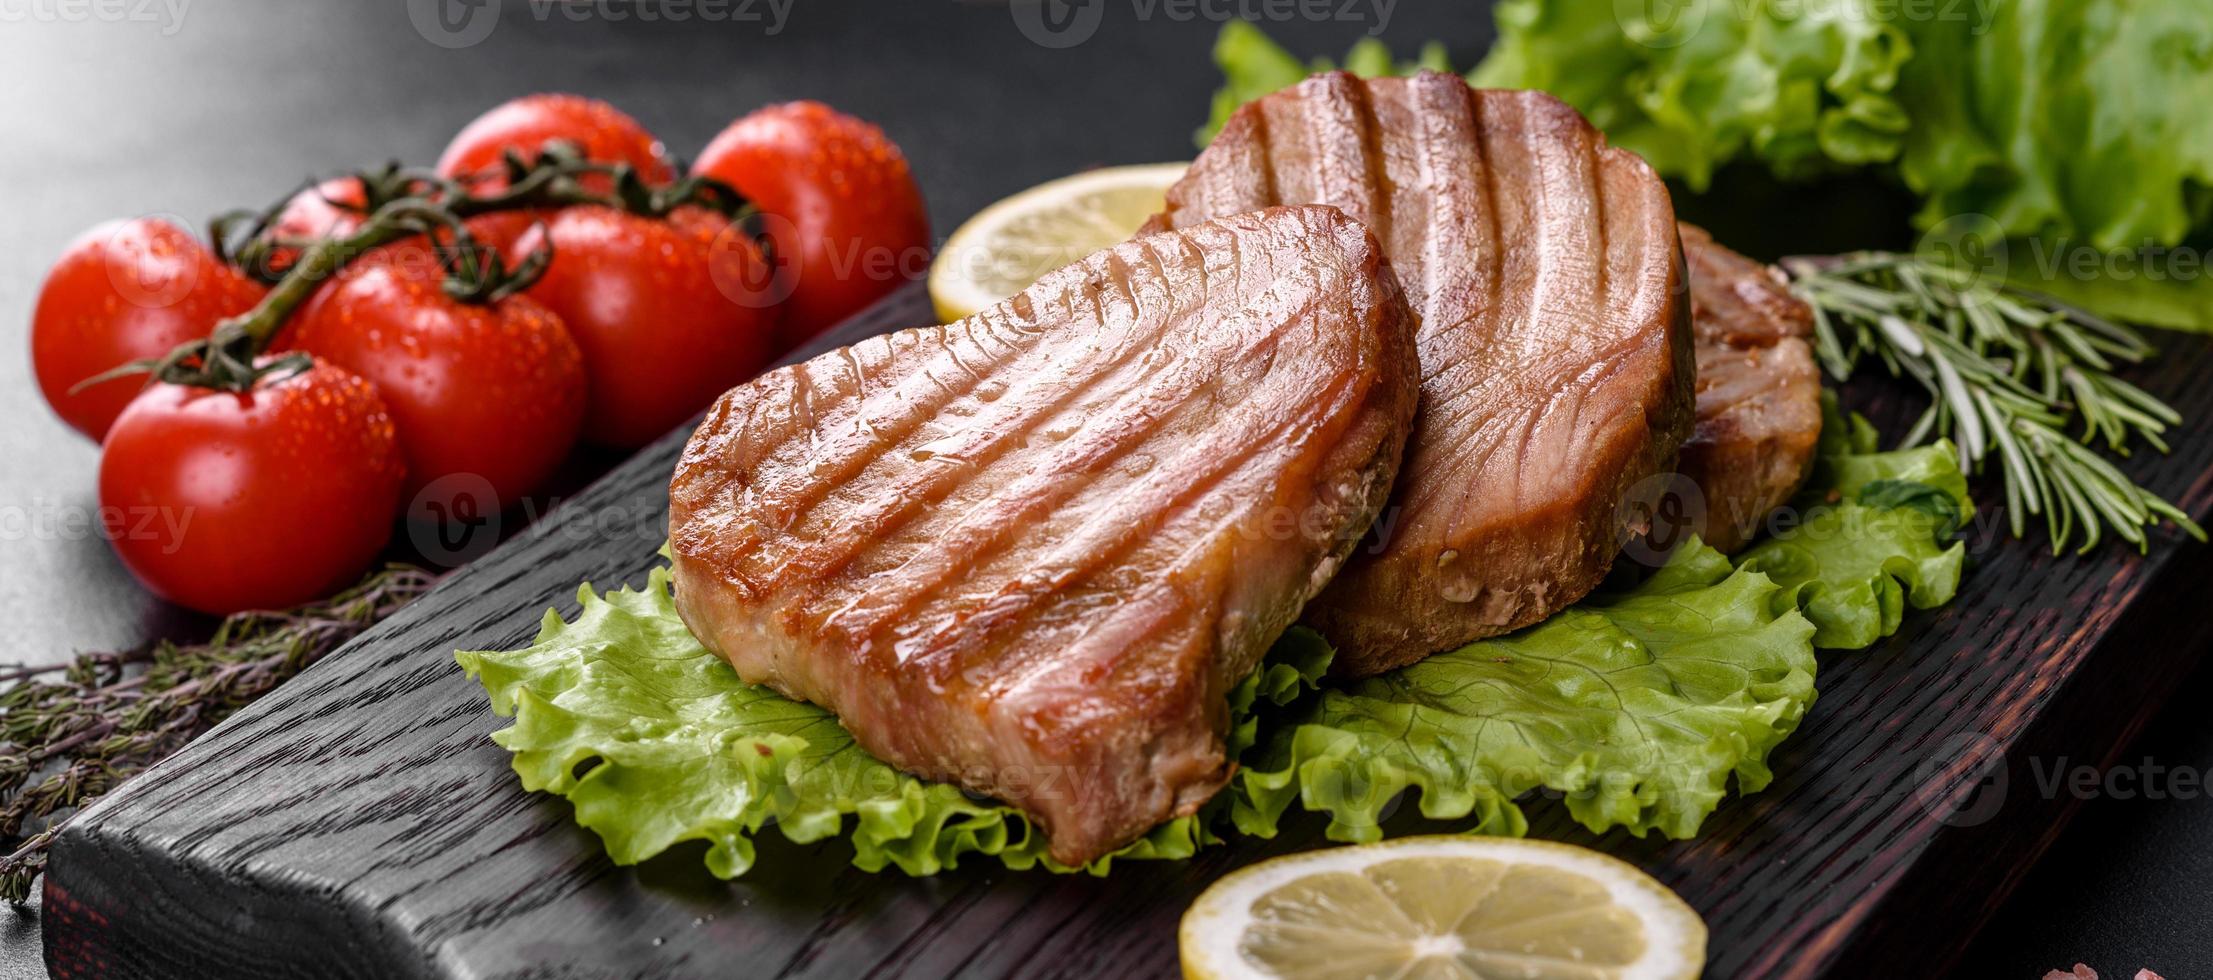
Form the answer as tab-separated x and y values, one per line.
359	823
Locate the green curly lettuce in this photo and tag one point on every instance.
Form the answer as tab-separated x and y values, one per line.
1874	535
1691	85
655	741
1637	706
2072	118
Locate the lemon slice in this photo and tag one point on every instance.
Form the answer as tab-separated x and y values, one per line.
1432	908
1008	245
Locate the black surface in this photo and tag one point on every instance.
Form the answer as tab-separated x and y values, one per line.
233	104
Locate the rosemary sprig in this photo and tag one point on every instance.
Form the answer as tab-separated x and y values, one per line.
2009	371
70	732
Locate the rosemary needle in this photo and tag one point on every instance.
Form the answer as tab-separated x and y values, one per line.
2008	371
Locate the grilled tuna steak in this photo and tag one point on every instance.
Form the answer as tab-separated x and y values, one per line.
1031	551
1554	339
1759	395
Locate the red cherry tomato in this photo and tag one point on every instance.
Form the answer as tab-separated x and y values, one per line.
526	124
125	291
224	501
487	397
670	313
333	208
501	231
845	216
327	210
330	208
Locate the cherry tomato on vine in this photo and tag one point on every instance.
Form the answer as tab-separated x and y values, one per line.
125	291
845	215
528	123
487	397
670	313
330	209
263	499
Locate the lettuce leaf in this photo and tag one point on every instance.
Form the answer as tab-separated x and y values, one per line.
656	741
1690	85
2073	118
2076	118
1874	535
1636	706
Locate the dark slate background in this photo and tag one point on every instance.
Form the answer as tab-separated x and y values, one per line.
187	107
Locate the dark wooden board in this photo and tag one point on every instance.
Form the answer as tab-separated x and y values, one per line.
359	823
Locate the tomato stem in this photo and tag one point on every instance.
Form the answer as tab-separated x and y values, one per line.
401	203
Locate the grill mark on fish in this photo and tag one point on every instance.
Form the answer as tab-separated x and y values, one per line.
1099	542
1005	430
1079	606
985	529
1554	352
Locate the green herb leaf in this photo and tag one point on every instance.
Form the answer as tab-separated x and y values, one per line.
2009	373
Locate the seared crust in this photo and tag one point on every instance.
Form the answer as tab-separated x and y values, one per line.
1759	393
1031	551
1555	339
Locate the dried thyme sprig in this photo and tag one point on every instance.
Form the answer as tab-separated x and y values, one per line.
104	717
2008	370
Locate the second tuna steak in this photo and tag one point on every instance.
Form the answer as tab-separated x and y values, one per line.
1554	341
